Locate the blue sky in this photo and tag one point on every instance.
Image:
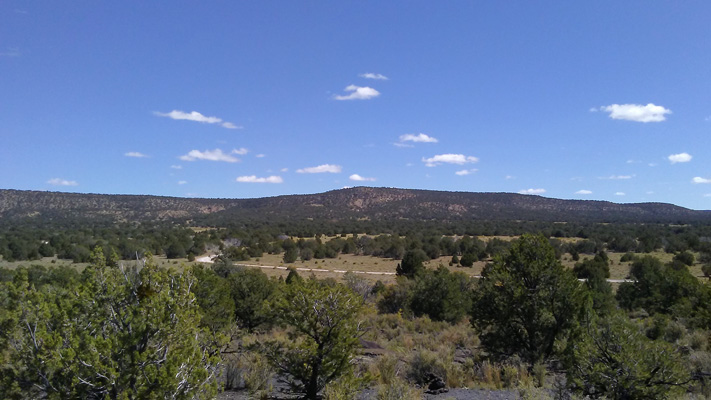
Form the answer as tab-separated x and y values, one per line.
600	100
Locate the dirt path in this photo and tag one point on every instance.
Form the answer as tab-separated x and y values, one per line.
208	259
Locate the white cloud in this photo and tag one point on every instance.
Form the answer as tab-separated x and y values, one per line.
334	169
419	138
182	182
371	75
707	195
584	191
284	170
241	151
358	93
636	112
680	158
509	177
619	193
699	179
209	155
197	117
466	172
135	154
459	159
62	182
230	125
356	177
260	155
617	177
532	191
254	179
176	166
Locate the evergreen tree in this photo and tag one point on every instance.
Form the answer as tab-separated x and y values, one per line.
323	334
527	301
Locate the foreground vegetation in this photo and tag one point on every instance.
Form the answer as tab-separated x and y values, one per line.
121	329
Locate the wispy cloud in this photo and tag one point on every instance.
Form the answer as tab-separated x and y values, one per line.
260	155
176	166
334	169
135	154
255	179
459	159
699	179
466	172
197	117
532	191
371	75
62	182
584	191
619	193
635	112
358	93
241	151
356	177
182	182
209	155
10	52
617	177
411	137
679	158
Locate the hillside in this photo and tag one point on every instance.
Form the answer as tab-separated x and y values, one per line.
344	204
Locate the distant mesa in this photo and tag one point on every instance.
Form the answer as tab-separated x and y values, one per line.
358	203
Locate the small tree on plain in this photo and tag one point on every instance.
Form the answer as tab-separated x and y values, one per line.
411	263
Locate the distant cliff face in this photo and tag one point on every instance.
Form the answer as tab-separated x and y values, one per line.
360	203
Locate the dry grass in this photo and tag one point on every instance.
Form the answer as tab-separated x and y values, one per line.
350	262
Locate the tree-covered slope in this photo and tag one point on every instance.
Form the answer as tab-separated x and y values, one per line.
345	204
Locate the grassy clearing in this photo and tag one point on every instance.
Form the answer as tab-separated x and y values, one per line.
375	265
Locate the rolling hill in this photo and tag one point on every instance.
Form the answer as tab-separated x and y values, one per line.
344	204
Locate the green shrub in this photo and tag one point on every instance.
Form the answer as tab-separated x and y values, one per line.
627	257
652	368
422	363
346	387
386	369
258	375
398	390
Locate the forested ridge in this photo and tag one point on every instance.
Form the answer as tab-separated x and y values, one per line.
339	205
